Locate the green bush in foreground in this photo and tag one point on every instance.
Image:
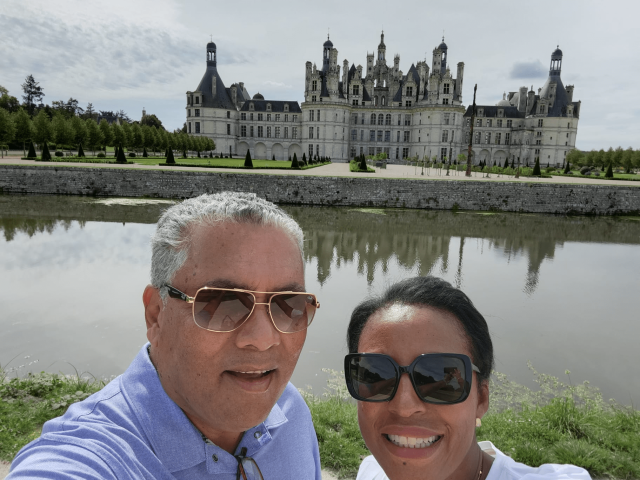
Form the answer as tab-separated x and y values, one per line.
32	151
46	154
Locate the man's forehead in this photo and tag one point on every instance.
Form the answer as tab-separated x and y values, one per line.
248	285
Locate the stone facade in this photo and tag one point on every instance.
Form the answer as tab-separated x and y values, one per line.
379	109
525	126
329	191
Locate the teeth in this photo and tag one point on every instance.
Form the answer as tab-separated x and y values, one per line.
412	442
259	371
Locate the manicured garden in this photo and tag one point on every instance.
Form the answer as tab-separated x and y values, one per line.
558	422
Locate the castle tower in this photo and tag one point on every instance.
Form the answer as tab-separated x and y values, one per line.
443	64
556	63
211	54
382	49
326	55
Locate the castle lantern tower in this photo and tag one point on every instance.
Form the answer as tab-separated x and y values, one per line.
326	55
211	54
443	65
556	63
382	50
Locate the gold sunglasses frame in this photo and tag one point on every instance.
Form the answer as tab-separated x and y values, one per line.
177	294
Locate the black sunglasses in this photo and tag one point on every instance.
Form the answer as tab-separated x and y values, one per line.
440	378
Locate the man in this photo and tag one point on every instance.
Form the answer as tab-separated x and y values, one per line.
208	396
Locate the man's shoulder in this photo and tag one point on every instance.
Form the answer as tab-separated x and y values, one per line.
292	404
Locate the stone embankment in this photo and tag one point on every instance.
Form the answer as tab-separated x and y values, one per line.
531	197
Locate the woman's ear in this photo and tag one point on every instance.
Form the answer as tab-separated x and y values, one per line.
483	399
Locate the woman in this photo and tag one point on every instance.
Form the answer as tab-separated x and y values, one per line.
422	425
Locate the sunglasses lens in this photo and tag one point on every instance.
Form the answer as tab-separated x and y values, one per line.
221	310
372	378
293	312
441	379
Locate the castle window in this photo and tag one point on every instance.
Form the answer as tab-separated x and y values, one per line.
399	119
277	132
251	116
379	135
372	135
313	98
538	134
373	119
317	150
260	131
189	125
445	89
294	132
409	92
405	152
375	100
228	113
228	129
500	112
407	119
398	136
384	101
380	119
243	116
406	136
538	142
251	130
468	122
251	107
407	103
477	137
286	117
478	122
446	119
268	117
387	135
539	122
310	132
286	132
277	117
445	136
509	123
260	117
268	107
498	138
354	135
356	89
443	154
499	123
188	112
480	112
318	112
487	137
355	118
197	100
310	151
489	122
353	152
295	118
387	119
314	86
355	102
286	107
312	114
197	127
507	138
268	132
243	131
445	101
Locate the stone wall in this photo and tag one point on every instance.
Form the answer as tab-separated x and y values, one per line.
307	190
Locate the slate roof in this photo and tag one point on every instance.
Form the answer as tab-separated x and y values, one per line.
277	106
491	111
561	101
223	96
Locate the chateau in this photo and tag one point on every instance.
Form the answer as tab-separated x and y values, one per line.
379	109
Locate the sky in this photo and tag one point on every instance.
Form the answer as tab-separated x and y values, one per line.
135	54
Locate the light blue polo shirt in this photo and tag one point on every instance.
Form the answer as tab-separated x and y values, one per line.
131	429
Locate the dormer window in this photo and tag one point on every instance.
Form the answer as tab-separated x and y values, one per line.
480	112
268	107
314	85
409	91
197	100
251	107
286	107
445	89
500	113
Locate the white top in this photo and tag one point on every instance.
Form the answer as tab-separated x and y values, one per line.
503	468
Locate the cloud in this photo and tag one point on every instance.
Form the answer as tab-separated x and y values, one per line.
276	84
532	69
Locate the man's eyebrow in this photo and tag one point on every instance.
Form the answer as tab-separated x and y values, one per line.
225	283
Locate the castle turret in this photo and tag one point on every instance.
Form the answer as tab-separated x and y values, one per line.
211	54
382	49
326	54
443	59
556	63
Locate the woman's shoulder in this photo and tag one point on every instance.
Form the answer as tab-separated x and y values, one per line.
371	470
506	468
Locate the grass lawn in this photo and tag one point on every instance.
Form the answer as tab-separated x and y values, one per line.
616	176
558	423
215	162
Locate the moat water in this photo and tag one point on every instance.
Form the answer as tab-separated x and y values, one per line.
560	292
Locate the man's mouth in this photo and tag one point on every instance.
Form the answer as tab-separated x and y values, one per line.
251	374
412	442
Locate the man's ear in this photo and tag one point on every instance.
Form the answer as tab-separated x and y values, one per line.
152	308
483	399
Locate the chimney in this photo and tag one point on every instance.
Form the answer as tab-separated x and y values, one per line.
569	90
214	82
530	98
522	101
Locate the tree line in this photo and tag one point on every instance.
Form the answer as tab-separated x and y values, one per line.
618	158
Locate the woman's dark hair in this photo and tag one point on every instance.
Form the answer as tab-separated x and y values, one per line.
436	293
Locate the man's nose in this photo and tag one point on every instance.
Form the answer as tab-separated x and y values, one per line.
258	331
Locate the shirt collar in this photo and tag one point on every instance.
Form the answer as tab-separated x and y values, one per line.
172	436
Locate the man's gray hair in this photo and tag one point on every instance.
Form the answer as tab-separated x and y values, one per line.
171	242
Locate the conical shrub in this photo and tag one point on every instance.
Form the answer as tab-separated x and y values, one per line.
80	150
32	150
363	163
121	158
609	173
294	162
170	158
506	163
567	168
247	160
144	152
46	154
536	169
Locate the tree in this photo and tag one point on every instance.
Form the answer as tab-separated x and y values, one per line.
151	121
89	112
636	158
137	141
618	154
575	157
42	128
609	173
363	164
3	91
79	130
122	115
627	160
247	160
536	168
170	157
149	137
46	154
8	102
118	137
294	163
24	128
121	158
94	134
567	168
107	133
304	158
63	132
32	151
80	150
127	136
32	92
7	129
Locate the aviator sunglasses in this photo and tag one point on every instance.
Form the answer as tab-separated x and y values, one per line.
440	378
226	309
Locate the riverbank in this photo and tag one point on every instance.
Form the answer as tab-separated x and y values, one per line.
320	187
557	423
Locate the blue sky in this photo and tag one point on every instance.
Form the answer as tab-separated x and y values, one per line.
148	53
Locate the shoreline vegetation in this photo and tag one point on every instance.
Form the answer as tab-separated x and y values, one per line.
556	423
